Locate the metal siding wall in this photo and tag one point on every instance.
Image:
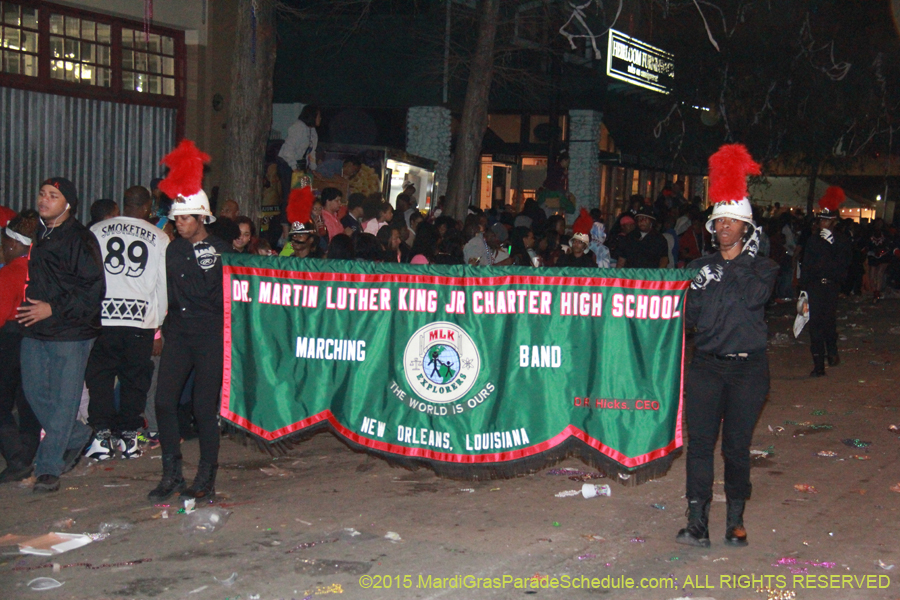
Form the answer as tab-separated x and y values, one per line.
103	147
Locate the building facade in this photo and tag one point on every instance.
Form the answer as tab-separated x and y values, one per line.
98	91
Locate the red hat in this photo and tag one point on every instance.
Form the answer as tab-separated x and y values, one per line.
300	203
728	171
184	183
6	215
831	201
583	223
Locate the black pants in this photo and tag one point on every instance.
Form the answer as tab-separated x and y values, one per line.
285	174
823	318
181	354
18	441
122	352
730	394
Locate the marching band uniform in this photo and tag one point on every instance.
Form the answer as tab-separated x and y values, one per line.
729	375
826	260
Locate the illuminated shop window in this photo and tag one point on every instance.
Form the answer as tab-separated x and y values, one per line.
19	26
148	62
58	49
80	50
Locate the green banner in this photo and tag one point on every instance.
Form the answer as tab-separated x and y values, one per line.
471	371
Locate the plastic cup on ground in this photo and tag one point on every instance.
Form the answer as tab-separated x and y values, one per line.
590	490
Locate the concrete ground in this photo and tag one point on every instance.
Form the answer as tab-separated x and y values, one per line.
320	521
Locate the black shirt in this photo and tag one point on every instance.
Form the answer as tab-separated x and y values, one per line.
569	260
351	222
730	314
194	276
643	253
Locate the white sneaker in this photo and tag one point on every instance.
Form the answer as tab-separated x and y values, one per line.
101	447
129	446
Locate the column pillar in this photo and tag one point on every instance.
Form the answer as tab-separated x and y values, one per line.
584	165
428	136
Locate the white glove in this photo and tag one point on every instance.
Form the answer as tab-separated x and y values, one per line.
707	273
827	235
751	247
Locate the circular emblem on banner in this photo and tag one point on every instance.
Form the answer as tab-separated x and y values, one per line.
441	362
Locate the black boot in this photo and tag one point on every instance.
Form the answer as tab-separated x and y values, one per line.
17	467
833	359
697	531
15	472
818	366
172	480
735	534
204	486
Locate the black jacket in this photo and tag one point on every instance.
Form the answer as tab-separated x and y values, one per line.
824	260
65	269
730	314
643	252
587	260
194	276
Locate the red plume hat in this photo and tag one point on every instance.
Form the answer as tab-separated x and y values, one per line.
184	183
300	203
831	202
728	171
583	223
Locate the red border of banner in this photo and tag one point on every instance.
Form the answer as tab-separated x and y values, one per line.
497	457
326	415
619	282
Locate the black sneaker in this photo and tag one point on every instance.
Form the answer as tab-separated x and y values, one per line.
46	484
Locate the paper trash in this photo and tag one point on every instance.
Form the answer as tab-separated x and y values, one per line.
54	543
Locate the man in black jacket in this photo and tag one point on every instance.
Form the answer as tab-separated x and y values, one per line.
643	248
61	319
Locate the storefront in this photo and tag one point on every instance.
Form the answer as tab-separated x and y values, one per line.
382	169
496	180
512	171
624	175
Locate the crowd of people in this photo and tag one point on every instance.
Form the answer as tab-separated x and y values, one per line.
666	233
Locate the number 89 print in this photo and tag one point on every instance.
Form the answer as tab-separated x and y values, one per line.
116	253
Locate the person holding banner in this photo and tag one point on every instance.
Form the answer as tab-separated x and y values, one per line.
729	375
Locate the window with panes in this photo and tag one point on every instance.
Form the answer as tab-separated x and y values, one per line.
20	37
80	50
148	62
43	45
